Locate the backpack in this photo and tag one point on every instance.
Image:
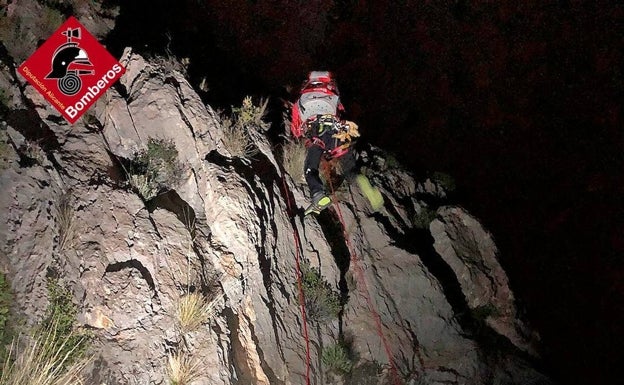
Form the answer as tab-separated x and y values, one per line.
319	96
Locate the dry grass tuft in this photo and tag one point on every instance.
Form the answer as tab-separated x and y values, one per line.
193	310
143	185
65	221
237	141
236	129
293	159
42	361
182	369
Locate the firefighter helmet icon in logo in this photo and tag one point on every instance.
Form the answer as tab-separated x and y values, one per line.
69	63
71	69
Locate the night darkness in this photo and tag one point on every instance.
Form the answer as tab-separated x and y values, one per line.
521	103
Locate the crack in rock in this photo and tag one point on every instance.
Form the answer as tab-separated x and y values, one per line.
133	264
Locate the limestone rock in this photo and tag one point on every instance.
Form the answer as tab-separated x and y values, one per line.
229	229
472	254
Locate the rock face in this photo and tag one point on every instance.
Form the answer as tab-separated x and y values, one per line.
228	229
470	252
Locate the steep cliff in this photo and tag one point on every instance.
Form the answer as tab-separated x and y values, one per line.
421	296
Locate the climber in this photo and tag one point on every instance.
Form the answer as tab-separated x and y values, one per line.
316	115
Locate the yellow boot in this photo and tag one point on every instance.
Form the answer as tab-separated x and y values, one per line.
371	193
320	201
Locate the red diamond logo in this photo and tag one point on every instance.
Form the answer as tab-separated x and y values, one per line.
71	69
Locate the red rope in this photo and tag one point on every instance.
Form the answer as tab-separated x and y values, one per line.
299	282
362	283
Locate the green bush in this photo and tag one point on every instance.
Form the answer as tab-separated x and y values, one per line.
20	31
446	181
42	360
248	114
366	373
391	162
4	153
423	219
60	317
5	312
156	169
336	359
321	302
54	354
482	312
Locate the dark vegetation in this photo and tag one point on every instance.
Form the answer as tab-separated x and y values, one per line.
321	301
6	331
155	169
60	316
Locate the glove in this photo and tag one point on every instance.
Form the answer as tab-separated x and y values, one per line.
348	131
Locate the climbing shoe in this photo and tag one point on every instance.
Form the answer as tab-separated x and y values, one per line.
320	201
371	193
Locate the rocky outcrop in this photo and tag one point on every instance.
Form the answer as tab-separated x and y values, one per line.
227	229
471	253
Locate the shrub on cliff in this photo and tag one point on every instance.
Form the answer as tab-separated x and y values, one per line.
336	359
55	354
236	128
6	298
156	169
60	318
321	302
4	153
42	360
423	218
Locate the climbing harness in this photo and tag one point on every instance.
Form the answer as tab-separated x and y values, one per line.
342	133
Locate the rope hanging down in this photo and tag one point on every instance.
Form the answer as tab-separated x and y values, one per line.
362	283
299	281
359	276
